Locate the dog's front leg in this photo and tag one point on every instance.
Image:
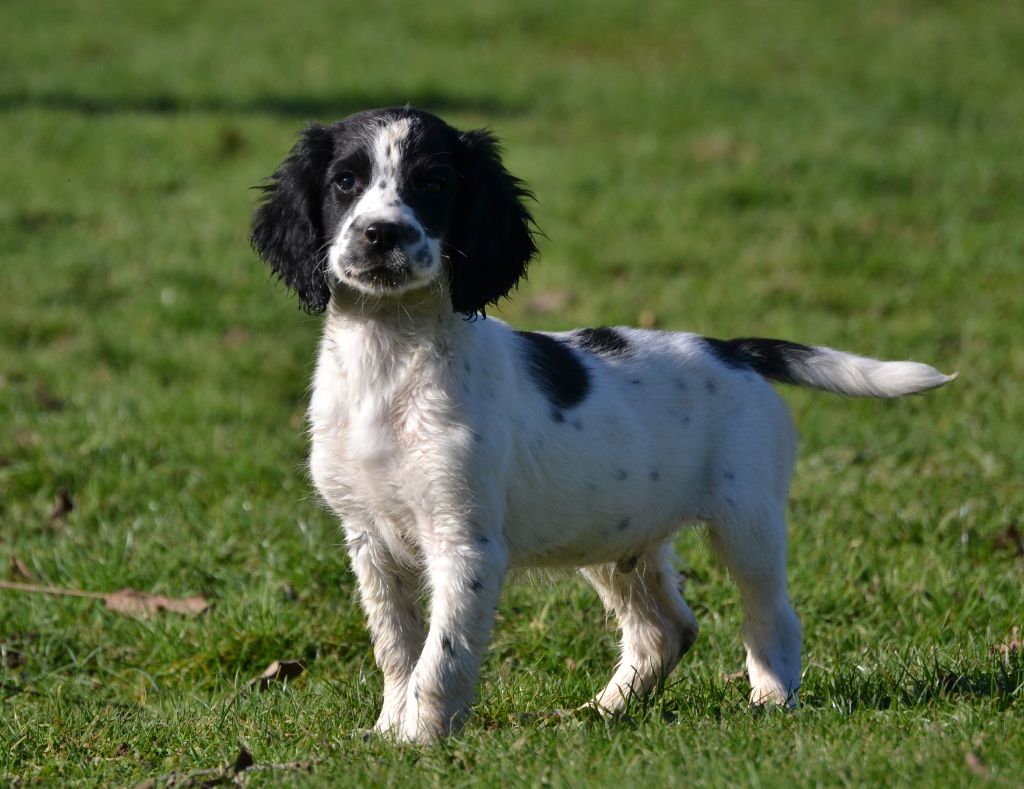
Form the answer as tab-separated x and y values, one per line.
390	597
465	578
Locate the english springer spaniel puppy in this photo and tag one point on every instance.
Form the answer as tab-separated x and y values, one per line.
454	448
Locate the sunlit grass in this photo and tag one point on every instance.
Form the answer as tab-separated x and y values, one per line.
849	177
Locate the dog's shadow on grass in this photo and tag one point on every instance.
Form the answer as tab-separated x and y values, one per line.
292	105
849	688
845	688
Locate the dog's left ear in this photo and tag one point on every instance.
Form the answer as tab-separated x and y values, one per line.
287	228
490	243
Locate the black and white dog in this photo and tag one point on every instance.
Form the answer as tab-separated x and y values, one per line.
454	449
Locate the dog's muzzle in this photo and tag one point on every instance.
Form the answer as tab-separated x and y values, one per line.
381	253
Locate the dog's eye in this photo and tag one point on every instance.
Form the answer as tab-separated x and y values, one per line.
346	182
431	184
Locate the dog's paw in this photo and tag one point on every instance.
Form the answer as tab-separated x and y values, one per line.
593	711
419	735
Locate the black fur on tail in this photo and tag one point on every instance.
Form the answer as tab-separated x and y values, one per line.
772	359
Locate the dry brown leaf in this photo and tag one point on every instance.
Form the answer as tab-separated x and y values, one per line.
62	506
142	605
46	399
546	301
10	658
235	337
27	439
1009	539
19	570
720	148
130	602
1014	644
647	319
976	765
278	671
232	774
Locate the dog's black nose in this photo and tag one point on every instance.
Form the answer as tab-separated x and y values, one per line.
383	235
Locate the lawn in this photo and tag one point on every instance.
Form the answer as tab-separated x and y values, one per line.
848	175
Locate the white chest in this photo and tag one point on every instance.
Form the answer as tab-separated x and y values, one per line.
387	441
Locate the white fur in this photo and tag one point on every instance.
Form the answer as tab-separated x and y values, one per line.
845	373
438	451
448	464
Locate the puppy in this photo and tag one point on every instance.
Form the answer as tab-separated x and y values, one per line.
454	448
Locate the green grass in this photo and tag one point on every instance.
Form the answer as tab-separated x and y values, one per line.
849	176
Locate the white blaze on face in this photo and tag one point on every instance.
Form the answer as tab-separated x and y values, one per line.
381	202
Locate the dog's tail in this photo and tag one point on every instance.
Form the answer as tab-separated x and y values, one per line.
826	368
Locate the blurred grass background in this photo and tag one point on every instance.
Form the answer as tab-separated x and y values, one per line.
843	175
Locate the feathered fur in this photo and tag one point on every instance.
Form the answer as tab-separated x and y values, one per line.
454	450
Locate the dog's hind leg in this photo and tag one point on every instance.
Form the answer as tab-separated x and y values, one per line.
657	626
752	545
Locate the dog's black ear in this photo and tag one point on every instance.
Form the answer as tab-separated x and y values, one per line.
490	242
287	227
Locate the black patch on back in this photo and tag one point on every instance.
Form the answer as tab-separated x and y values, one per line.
556	370
602	341
773	359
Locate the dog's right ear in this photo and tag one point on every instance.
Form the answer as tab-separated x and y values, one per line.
287	227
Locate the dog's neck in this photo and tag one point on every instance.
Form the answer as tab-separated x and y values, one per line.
384	338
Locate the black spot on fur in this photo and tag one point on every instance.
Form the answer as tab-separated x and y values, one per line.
627	565
602	341
416	692
556	370
623	524
475	585
447	646
655	476
729	474
773	359
577	424
635	382
709	384
620	474
557	415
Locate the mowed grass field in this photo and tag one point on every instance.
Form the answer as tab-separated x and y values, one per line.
843	175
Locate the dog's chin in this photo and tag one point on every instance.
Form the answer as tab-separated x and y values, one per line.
385	279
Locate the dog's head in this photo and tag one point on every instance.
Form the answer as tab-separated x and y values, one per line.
390	201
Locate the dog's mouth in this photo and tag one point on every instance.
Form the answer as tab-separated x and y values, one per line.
389	272
381	274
